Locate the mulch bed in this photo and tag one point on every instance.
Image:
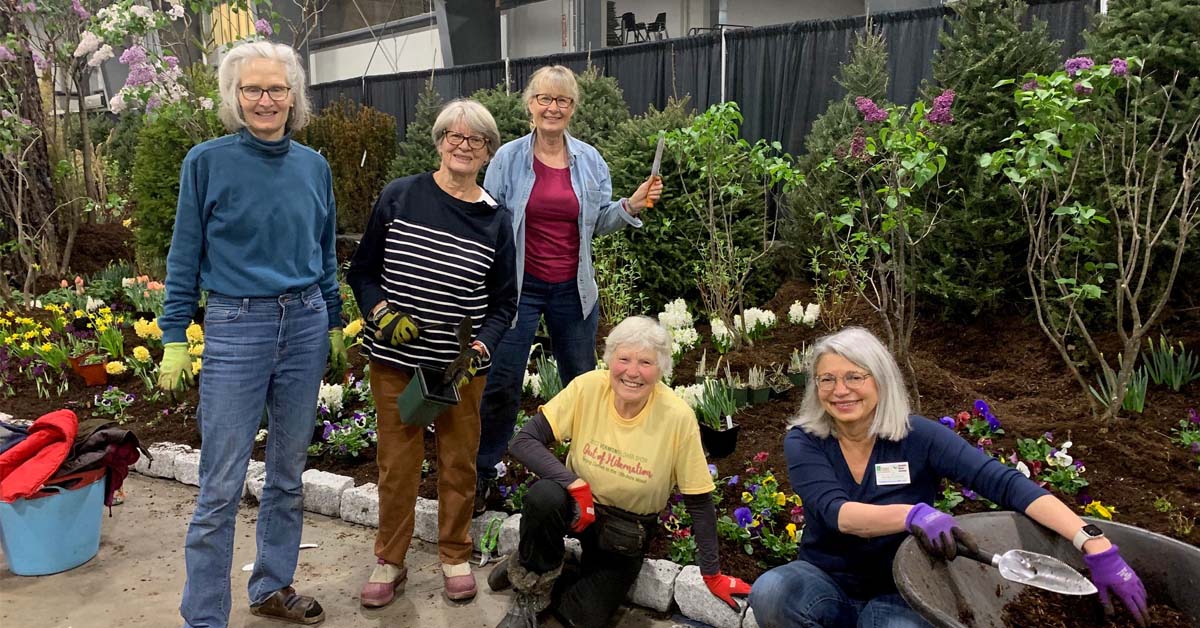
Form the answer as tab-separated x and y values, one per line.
1035	607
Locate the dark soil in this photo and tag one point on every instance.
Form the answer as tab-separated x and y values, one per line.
1005	361
1035	607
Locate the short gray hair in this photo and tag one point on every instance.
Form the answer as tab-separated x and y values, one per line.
555	78
641	332
866	351
474	115
229	77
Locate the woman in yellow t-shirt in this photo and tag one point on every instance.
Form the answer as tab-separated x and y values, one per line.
632	441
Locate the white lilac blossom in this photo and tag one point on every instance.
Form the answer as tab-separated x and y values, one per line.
330	398
675	315
100	56
88	43
175	12
206	103
142	11
117	104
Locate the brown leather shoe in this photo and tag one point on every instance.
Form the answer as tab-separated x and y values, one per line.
285	605
381	588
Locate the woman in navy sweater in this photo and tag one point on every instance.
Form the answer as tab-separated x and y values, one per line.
867	472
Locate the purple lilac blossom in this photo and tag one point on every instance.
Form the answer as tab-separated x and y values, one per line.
6	54
858	143
172	62
869	110
140	74
153	103
79	10
1075	65
1080	88
263	27
1030	85
743	516
133	55
940	114
1119	67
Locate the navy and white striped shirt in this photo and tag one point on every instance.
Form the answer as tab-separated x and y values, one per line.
437	259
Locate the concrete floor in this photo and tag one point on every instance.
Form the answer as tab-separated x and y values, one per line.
137	577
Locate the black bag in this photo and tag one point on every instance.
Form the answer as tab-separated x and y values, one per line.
622	532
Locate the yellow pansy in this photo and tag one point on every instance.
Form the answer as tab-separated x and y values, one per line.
127	223
747	497
795	500
196	350
195	366
115	368
353	328
780	499
791	531
141	354
78	313
194	333
1097	509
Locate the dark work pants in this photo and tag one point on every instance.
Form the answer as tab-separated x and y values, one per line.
604	577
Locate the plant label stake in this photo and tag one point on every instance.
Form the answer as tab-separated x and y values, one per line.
657	163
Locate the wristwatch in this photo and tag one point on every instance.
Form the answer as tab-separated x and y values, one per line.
1085	534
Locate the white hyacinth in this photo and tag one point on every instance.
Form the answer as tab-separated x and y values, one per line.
531	383
684	338
675	315
796	313
690	394
812	312
330	397
758	321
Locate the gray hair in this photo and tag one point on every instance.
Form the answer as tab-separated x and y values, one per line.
229	77
644	333
552	78
866	351
472	114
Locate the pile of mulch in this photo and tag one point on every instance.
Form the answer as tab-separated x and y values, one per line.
1035	607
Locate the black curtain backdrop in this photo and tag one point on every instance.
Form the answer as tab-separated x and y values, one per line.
782	76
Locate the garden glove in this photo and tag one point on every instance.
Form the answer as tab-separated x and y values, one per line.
463	368
1112	575
337	354
175	370
582	495
725	587
394	327
936	532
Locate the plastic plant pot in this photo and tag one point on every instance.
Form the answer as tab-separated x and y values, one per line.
719	443
741	397
760	395
798	379
425	397
945	593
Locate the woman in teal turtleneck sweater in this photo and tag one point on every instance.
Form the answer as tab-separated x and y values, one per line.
255	229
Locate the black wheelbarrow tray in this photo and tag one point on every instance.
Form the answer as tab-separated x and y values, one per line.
949	594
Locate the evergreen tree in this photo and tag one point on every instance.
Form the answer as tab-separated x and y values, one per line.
600	109
983	46
511	116
417	153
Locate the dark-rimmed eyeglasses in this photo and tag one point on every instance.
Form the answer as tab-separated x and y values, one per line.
475	142
564	102
853	381
253	92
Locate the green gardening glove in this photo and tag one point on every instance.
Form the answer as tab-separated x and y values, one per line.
175	370
394	328
337	354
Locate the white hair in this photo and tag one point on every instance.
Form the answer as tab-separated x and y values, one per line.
891	420
474	115
552	78
229	78
642	333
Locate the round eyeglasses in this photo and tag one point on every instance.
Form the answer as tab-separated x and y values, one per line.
475	142
253	92
564	102
853	381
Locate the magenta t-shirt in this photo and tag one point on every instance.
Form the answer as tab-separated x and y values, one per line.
552	225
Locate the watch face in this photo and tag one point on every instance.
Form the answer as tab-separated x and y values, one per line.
1093	530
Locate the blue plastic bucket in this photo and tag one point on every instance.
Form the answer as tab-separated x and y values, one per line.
52	533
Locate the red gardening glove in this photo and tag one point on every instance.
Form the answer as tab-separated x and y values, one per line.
582	495
725	587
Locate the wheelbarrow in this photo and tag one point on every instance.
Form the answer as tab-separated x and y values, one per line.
966	594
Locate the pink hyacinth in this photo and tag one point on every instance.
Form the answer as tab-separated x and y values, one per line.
869	110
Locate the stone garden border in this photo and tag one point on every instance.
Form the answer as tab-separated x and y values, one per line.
660	583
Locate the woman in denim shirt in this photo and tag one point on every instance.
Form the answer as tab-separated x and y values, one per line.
560	194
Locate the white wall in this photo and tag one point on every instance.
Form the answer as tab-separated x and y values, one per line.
414	50
533	30
682	15
765	12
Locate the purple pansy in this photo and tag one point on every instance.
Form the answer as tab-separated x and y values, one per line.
742	516
734	480
948	421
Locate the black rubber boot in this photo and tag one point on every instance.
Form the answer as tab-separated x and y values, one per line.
531	595
498	579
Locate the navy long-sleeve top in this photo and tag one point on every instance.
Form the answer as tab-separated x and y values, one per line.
255	218
821	477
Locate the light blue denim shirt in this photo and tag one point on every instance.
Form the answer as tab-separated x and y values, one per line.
510	179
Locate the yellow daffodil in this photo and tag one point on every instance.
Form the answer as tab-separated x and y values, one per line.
25	346
791	531
196	366
194	333
1097	509
105	310
351	330
127	223
780	499
747	497
196	350
141	354
115	368
47	347
78	313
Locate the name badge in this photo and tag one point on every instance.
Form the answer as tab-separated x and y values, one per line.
891	473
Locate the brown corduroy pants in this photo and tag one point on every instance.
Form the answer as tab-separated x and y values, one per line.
401	450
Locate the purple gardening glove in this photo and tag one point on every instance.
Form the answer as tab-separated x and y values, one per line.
934	530
1111	574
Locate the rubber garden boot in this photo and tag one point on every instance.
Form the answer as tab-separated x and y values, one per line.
531	595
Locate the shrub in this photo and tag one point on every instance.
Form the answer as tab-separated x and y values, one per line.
417	154
601	107
511	117
359	142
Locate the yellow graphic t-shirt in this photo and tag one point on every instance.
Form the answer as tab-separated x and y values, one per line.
631	464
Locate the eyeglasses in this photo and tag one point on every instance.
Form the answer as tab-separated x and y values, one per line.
475	142
853	381
564	102
253	92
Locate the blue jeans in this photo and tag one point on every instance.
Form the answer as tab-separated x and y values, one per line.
574	340
801	594
257	352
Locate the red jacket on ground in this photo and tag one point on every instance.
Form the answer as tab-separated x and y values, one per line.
28	464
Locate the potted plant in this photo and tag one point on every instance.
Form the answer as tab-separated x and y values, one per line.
798	366
778	382
426	397
91	367
741	394
756	382
718	432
